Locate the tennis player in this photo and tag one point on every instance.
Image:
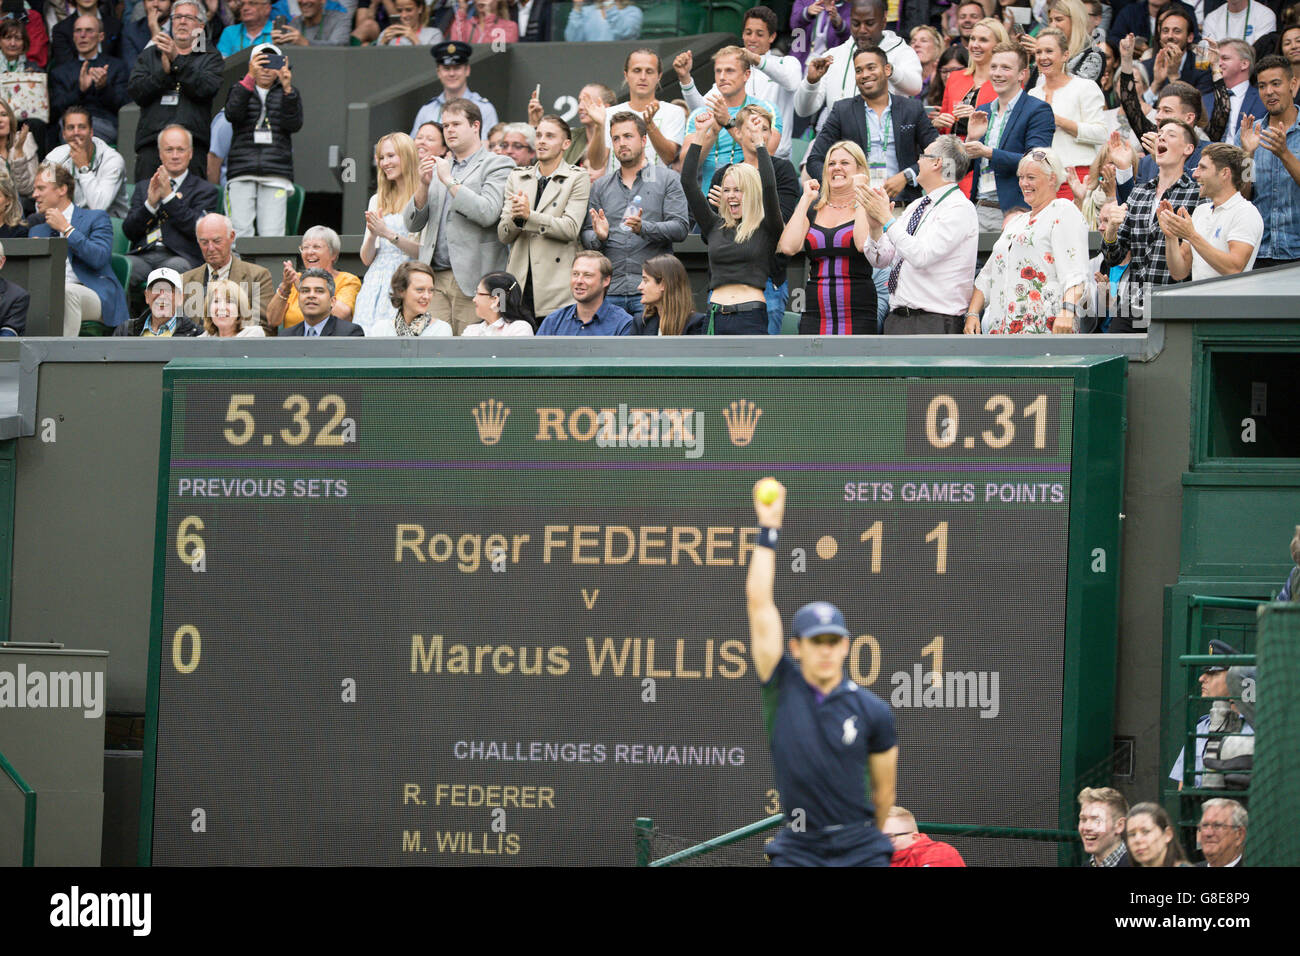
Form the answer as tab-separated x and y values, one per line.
833	743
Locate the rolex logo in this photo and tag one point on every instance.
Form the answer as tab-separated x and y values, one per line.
742	418
490	419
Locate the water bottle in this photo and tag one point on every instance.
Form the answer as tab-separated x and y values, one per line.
633	209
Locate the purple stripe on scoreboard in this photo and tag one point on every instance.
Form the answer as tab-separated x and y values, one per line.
1020	467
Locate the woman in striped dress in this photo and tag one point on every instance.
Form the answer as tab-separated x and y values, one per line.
840	298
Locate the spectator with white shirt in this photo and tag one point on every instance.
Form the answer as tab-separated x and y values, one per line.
1247	20
772	77
930	246
1236	64
1077	105
498	301
665	123
97	168
830	78
1220	237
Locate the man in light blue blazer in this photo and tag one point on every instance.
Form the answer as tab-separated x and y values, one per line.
94	303
457	203
1006	129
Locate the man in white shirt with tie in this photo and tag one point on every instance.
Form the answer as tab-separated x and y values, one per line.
930	247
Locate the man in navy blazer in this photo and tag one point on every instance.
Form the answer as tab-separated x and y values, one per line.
902	130
1236	63
1136	19
92	79
1000	133
1176	35
165	209
316	300
14	302
94	303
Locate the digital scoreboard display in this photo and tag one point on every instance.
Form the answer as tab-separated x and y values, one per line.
477	612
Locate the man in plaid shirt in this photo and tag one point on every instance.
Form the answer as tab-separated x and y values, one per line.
1137	232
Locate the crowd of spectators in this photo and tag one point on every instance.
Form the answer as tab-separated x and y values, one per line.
877	140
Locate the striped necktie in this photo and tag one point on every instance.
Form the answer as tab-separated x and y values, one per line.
912	223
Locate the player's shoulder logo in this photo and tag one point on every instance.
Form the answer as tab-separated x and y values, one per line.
850	730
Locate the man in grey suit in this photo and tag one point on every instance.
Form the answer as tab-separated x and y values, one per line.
458	203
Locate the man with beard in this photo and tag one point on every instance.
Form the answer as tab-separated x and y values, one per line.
629	237
1275	147
541	220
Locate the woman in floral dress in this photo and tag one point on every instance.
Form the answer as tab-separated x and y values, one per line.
1036	277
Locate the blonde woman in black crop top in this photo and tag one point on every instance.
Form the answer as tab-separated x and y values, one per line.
741	237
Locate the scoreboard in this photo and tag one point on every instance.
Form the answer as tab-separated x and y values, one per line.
481	612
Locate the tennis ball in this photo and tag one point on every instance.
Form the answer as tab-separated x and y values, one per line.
767	491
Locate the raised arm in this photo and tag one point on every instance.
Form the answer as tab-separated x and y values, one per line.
771	201
796	230
764	618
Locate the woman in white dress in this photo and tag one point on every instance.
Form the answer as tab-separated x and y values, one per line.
410	293
1076	103
387	243
226	313
1035	279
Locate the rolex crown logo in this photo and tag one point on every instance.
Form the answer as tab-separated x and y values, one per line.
490	419
742	418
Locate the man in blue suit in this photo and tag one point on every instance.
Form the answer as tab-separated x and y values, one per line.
1137	18
1000	133
94	303
1236	63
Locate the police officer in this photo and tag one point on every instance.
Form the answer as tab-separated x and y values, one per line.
453	73
829	736
1221	719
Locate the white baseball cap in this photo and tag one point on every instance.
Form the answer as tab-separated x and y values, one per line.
168	275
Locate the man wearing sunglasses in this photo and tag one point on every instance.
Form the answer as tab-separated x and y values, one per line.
830	738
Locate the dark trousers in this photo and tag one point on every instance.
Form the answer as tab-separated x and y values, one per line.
854	845
746	318
905	321
1269	263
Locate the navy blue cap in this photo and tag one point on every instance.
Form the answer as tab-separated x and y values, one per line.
451	53
1220	647
819	617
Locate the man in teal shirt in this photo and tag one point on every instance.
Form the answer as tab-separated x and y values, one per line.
730	74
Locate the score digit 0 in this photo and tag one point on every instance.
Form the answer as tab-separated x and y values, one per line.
178	648
942	420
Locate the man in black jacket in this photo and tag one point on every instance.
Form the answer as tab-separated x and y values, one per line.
14	301
901	129
175	84
316	300
91	79
62	42
165	209
264	112
164	319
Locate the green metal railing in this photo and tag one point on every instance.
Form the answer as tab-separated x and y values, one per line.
29	811
644	828
1238	632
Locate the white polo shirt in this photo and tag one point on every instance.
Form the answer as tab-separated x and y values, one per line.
1236	220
